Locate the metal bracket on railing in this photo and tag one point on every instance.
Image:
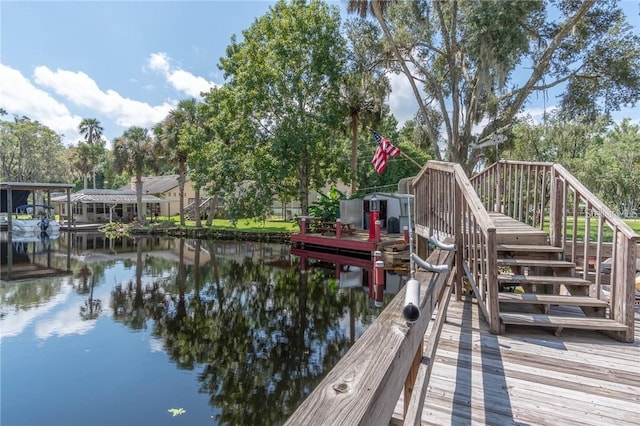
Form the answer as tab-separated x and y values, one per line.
411	309
442	246
429	266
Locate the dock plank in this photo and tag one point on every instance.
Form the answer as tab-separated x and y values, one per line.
550	299
529	248
539	279
536	262
530	376
542	320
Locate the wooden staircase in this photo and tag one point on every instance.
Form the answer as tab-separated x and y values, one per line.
497	219
539	288
190	209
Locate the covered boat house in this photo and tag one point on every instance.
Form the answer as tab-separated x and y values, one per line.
14	194
106	205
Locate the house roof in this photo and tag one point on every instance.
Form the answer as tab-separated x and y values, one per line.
109	196
157	184
33	186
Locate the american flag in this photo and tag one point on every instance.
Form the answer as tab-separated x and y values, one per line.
384	150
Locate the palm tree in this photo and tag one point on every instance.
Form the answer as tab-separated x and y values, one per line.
134	151
169	133
81	161
366	84
91	129
359	97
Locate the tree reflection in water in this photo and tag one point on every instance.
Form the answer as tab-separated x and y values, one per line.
261	336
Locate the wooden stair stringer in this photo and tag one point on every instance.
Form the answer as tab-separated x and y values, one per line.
539	267
560	322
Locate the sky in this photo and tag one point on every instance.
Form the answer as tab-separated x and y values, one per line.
129	63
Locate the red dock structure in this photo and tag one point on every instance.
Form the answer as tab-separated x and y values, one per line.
341	237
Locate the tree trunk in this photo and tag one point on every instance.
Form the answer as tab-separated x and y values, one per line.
212	206
354	152
139	196
304	190
196	209
182	177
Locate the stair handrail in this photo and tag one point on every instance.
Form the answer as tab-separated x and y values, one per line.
600	206
546	194
620	271
448	205
193	203
519	189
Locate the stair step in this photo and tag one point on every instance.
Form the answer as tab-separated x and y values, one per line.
542	320
542	279
529	248
536	262
551	299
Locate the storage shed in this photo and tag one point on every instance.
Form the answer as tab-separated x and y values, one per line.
393	211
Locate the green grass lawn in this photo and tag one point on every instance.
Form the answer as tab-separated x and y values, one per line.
607	233
247	225
633	224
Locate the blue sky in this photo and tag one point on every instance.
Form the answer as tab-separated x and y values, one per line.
128	63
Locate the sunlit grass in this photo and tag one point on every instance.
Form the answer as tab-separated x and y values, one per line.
247	225
607	232
633	224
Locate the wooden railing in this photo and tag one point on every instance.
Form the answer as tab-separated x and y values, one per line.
516	188
570	202
365	385
447	205
547	195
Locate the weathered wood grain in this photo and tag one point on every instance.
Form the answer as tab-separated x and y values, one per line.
529	376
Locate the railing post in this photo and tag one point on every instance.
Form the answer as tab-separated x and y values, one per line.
338	228
498	203
491	300
555	213
411	377
623	287
458	235
303	225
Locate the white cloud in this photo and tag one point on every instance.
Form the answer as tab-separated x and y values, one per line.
19	96
181	80
402	102
82	90
16	321
38	99
159	62
64	323
537	114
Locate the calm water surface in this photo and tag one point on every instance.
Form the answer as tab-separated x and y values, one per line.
224	333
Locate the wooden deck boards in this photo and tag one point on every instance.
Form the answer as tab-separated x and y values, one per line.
358	241
510	231
529	376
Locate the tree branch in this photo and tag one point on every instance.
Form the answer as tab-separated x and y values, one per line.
543	63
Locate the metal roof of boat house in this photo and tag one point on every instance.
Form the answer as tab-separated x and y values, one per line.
156	184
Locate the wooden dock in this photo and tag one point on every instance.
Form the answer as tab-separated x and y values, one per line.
358	241
529	376
545	339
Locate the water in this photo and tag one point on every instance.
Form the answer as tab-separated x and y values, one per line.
167	331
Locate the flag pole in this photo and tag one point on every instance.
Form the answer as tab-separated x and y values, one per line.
412	160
